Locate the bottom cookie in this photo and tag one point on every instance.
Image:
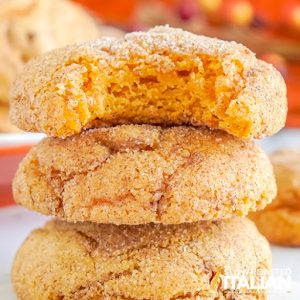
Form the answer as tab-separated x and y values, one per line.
188	261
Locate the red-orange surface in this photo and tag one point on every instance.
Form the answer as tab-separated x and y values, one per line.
111	11
117	11
9	160
293	84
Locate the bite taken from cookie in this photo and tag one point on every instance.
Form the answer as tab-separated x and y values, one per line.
165	76
136	174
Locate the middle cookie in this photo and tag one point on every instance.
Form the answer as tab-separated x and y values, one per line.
137	174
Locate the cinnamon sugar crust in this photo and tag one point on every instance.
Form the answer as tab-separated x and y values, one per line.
136	174
88	261
165	76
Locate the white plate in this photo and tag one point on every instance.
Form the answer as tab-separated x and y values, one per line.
17	222
18	139
286	138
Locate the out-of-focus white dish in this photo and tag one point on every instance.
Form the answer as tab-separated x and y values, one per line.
286	138
19	139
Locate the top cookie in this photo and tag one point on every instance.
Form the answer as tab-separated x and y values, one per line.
163	76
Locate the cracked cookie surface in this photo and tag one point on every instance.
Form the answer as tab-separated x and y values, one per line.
165	76
159	262
280	221
136	174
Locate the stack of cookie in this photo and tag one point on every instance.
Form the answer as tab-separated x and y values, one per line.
146	207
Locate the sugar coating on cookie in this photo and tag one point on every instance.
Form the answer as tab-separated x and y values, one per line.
88	261
280	221
136	174
165	76
29	28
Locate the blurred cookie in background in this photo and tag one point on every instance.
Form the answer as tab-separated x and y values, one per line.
30	27
5	125
280	221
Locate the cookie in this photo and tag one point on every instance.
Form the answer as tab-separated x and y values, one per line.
5	125
165	76
280	226
29	28
136	174
89	261
280	221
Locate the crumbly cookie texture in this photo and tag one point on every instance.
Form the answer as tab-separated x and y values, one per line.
89	261
136	174
280	221
165	76
29	28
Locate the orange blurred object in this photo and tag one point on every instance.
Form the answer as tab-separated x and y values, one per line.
237	12
118	11
292	81
269	11
276	11
115	11
210	6
291	14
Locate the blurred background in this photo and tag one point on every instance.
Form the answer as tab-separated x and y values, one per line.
29	28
